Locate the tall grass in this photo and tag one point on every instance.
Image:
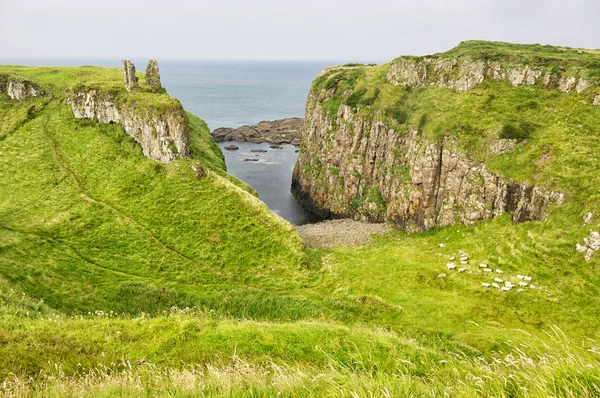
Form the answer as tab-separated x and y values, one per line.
563	369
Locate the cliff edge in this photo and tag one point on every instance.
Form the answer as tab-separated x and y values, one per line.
462	136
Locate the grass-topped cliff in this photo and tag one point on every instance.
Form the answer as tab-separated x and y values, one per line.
122	276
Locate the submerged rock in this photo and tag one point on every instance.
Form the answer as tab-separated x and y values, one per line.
232	147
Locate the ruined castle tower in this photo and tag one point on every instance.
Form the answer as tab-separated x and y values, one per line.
153	76
131	81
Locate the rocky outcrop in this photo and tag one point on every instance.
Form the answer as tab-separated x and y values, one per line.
284	131
360	168
153	76
131	80
163	134
464	75
590	245
18	88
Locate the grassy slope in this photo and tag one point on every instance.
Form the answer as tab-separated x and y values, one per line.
88	223
373	320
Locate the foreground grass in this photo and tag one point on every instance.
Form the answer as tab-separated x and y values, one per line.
195	354
123	277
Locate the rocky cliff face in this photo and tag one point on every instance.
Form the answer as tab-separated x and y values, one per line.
464	75
163	135
358	167
284	131
18	88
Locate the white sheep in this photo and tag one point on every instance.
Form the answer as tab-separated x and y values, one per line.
505	288
463	262
461	270
450	265
441	245
482	265
441	275
527	278
452	258
520	277
498	280
499	271
523	284
532	286
495	285
487	270
509	284
485	284
519	290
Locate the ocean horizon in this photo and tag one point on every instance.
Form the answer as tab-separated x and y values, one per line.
224	93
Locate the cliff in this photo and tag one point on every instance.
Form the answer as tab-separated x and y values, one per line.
456	137
19	88
162	132
284	131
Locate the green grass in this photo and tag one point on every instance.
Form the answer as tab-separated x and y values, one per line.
120	276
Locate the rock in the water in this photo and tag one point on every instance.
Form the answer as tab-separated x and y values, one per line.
275	146
250	160
153	76
258	150
232	147
131	80
284	131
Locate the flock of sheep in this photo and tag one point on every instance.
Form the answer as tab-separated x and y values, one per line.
498	283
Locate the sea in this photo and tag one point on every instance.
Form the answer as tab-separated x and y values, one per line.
232	94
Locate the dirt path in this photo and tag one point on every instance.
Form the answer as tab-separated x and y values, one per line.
339	233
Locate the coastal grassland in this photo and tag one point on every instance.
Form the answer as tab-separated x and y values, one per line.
88	223
60	80
120	276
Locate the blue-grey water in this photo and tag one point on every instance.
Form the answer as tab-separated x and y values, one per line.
271	177
232	94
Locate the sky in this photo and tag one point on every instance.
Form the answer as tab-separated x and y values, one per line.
361	30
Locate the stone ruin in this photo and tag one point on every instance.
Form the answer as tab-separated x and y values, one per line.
131	80
153	76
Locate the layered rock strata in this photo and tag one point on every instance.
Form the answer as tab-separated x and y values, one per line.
284	131
363	169
163	134
18	88
464	75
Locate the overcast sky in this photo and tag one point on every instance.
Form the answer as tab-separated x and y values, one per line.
362	30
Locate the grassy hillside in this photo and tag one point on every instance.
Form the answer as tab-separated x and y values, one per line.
88	223
120	276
